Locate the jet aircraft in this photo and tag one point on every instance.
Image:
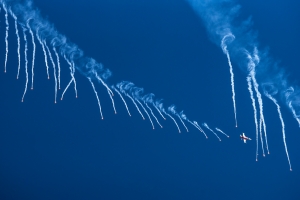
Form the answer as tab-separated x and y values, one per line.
244	137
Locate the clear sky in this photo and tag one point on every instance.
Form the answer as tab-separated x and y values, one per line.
65	151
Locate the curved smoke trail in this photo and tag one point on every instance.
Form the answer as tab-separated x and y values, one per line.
50	39
220	19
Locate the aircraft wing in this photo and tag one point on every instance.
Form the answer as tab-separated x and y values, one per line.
245	140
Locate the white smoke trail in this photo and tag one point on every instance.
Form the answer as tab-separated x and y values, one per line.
72	79
173	120
58	66
283	127
135	105
110	93
96	97
172	109
255	112
153	115
224	48
105	85
204	124
183	116
287	94
113	87
6	36
18	39
54	70
187	130
33	52
294	113
197	127
158	111
26	63
251	68
145	112
45	54
222	132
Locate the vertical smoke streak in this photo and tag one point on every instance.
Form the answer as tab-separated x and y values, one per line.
26	62
255	112
158	111
294	112
18	39
187	130
153	114
173	120
6	36
252	73
288	94
33	52
54	70
44	50
172	109
113	87
135	105
104	84
58	66
204	124
224	48
110	93
145	112
282	125
96	97
72	79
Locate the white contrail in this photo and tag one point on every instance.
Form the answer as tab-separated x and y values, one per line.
255	111
204	124
183	116
33	52
282	125
26	63
135	105
145	112
197	127
103	83
153	114
96	97
251	67
113	87
294	112
44	50
158	111
187	130
173	120
6	35
110	93
72	79
288	92
18	39
54	70
224	48
58	66
222	132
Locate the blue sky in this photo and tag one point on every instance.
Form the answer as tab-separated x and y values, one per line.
65	151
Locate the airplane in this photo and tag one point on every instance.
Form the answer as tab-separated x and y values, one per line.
244	137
